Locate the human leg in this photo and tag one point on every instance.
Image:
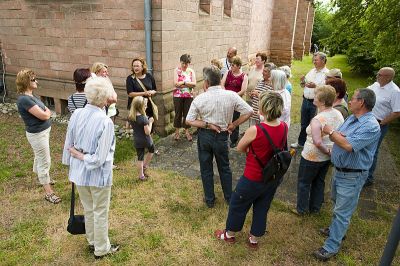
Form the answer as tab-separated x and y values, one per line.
204	146
370	179
308	170
235	134
139	163
178	106
85	196
221	152
308	110
318	187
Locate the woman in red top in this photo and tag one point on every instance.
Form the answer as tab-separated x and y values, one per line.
235	80
251	190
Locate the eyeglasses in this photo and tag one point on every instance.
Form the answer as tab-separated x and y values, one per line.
34	80
381	75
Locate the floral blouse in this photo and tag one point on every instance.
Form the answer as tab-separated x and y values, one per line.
186	76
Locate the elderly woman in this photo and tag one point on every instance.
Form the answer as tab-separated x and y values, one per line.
251	190
315	157
255	74
235	80
185	81
340	103
262	85
288	73
78	99
36	117
278	82
89	152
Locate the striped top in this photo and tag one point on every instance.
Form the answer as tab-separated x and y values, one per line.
363	135
76	100
261	87
92	132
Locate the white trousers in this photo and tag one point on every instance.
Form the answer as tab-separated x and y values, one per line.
41	149
96	204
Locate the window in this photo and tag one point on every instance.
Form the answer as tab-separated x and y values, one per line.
228	8
205	6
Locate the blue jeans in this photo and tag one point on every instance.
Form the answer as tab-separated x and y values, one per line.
235	134
311	185
249	193
308	110
384	130
210	144
346	188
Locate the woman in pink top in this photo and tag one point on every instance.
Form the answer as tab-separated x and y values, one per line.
185	81
235	80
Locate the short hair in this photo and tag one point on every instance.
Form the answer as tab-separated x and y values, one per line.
137	106
216	63
339	85
96	67
213	75
23	80
287	71
80	77
98	90
185	58
368	96
236	61
321	55
278	79
326	94
271	105
263	56
334	73
141	60
270	66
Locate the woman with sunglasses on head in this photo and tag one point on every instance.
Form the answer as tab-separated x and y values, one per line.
36	117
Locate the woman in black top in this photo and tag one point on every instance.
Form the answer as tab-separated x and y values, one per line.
133	86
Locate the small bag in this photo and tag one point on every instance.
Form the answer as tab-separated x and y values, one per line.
153	105
76	223
279	163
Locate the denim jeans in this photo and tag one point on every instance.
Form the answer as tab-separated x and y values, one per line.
311	185
384	130
246	194
308	110
235	134
210	144
346	188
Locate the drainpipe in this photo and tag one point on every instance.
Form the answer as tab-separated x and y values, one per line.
147	30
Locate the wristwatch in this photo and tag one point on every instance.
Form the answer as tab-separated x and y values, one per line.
331	132
206	125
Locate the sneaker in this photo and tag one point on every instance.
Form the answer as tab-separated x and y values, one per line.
295	211
251	245
325	232
323	255
113	249
296	145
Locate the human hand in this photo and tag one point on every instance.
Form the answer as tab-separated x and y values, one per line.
327	129
75	153
214	127
151	120
231	128
311	85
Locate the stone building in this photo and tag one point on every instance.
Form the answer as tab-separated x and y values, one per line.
56	37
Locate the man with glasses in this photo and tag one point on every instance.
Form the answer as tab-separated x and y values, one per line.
355	142
386	109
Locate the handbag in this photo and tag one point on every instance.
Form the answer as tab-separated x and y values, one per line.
76	223
153	105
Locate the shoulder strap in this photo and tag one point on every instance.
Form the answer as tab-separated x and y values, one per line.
72	210
73	102
270	140
255	156
140	83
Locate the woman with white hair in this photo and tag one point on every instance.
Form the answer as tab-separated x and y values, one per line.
278	82
89	152
288	73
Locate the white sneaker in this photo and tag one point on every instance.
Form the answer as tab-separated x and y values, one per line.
296	145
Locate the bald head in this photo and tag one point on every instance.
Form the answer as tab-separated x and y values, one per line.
385	75
232	51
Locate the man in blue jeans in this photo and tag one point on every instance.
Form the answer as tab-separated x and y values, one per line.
354	145
212	113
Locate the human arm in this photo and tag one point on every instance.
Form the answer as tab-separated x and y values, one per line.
191	119
39	112
223	81
338	138
244	86
69	141
388	119
316	134
247	139
147	128
133	88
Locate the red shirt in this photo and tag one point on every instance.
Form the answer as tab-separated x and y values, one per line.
234	83
263	149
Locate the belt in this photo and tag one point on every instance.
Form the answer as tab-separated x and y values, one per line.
379	121
348	170
310	100
213	131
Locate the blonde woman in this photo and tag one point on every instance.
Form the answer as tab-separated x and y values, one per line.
36	117
141	134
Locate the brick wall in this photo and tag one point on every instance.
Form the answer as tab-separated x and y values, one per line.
309	29
301	26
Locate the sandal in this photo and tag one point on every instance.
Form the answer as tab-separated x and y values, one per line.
145	173
189	137
52	198
176	136
142	178
251	245
221	235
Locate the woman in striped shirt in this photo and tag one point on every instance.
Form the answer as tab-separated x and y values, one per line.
78	99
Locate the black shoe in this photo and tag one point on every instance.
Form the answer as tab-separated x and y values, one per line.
368	183
210	204
323	255
113	249
91	248
325	232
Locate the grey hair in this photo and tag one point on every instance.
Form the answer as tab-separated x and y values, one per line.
278	79
368	96
98	90
287	71
270	66
213	75
321	55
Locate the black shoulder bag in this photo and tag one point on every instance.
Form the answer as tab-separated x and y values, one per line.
76	223
279	163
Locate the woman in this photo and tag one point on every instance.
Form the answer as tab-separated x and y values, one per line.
36	117
278	82
251	190
262	85
139	79
78	99
315	157
101	70
340	103
288	73
89	152
235	80
255	74
185	81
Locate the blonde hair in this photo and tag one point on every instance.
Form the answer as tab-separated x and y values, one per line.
98	90
23	80
326	94
137	107
271	105
217	63
96	67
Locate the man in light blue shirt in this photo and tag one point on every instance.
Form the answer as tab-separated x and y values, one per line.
353	151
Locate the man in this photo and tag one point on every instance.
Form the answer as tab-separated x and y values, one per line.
215	107
354	145
314	78
386	109
227	61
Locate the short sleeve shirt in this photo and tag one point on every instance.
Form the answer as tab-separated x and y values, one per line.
32	123
141	140
387	99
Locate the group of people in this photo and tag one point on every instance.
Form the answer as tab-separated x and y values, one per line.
328	134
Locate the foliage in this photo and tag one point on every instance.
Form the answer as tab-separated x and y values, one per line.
323	26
